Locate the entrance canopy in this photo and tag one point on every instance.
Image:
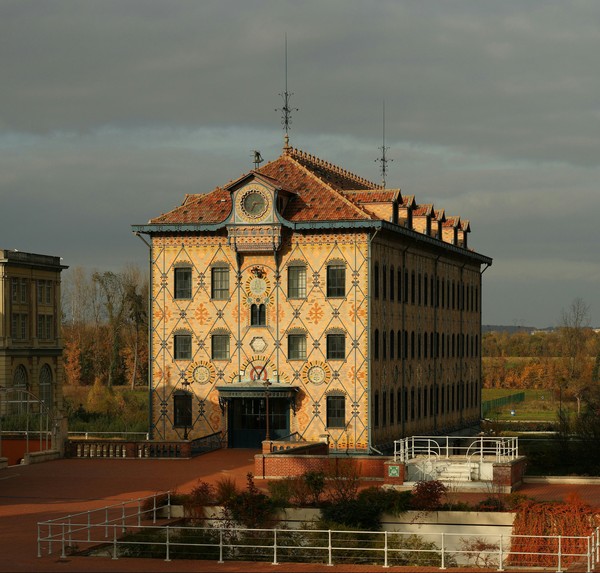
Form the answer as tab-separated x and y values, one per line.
256	391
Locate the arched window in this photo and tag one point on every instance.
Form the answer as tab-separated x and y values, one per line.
391	344
384	282
258	315
376	410
392	408
376	280
391	283
46	393
425	291
412	344
399	286
399	345
384	345
399	405
376	344
20	382
425	345
384	410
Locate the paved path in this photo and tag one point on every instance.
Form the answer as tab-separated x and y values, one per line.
29	494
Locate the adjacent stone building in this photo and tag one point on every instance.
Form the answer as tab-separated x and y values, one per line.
31	366
351	312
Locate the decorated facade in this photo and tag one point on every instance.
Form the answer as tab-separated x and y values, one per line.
304	302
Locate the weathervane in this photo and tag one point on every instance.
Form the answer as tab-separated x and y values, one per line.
258	159
286	110
383	160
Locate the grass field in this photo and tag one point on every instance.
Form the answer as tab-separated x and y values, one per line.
539	405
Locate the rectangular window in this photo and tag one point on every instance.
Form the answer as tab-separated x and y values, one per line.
336	280
183	282
296	282
40	291
23	291
19	326
15	290
220	283
45	323
182	346
336	344
297	347
48	292
336	411
182	409
220	346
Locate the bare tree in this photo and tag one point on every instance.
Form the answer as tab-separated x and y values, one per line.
574	327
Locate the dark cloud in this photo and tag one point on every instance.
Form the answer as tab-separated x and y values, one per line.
111	111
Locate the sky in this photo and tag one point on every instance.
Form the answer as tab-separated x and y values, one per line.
111	111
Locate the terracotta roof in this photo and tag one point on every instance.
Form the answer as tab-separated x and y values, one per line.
320	191
451	222
408	201
213	207
439	215
422	210
374	196
331	174
316	198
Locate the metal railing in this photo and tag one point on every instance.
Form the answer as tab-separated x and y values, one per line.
118	531
104	435
75	529
501	449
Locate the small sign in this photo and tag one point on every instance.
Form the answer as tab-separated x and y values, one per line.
394	471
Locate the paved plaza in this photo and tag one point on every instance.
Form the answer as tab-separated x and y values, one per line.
29	494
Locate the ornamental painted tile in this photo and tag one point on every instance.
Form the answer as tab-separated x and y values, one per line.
201	314
315	313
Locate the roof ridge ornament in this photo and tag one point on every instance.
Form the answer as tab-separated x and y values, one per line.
383	160
286	110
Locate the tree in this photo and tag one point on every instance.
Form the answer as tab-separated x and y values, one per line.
105	326
574	326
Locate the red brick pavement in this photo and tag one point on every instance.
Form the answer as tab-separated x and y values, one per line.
29	494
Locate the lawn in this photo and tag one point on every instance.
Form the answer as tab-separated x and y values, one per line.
539	405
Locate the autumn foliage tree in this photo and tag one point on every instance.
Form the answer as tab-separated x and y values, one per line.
105	327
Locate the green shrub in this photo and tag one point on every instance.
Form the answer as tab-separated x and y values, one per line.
251	508
428	495
226	489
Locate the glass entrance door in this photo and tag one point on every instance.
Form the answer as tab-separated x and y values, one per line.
248	421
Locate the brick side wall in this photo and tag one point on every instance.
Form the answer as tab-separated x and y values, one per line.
509	474
289	465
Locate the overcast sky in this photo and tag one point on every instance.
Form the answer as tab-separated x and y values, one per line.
110	111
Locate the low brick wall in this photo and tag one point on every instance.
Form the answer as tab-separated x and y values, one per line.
292	463
39	457
14	448
509	474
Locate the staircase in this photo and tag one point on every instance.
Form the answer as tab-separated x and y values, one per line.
458	472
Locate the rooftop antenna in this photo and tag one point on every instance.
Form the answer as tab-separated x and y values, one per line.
286	110
383	160
258	158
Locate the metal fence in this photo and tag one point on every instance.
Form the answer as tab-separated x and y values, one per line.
492	405
134	529
502	449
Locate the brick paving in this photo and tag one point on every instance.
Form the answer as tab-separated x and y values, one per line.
29	494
